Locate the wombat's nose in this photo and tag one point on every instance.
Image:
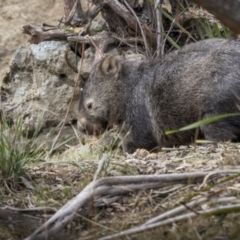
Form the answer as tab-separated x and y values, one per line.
82	124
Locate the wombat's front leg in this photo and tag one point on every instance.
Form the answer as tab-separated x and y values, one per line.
131	143
129	147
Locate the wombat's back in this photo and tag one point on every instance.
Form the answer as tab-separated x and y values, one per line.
196	82
145	100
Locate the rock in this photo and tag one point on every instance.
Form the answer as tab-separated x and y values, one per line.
40	82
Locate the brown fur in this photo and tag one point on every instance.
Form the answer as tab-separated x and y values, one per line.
196	82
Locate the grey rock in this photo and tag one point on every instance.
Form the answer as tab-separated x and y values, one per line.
40	83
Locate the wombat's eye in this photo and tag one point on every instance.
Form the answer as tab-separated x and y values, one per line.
89	106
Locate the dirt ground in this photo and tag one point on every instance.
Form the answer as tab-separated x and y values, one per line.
14	14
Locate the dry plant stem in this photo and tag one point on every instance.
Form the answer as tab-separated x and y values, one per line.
177	211
74	68
148	52
197	129
99	42
209	212
129	41
170	191
65	214
71	100
39	34
106	201
169	31
192	204
204	183
172	149
121	190
159	31
70	15
100	167
68	5
35	209
98	52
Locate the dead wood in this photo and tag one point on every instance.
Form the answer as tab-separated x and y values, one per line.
230	208
100	42
117	185
39	34
120	17
68	7
130	21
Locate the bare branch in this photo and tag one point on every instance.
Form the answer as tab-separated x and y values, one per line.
98	187
159	30
212	211
100	42
148	52
39	34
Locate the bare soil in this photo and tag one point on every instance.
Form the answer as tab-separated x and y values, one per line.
14	14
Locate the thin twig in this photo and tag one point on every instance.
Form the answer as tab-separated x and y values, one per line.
74	68
100	167
159	29
71	13
95	46
71	101
148	52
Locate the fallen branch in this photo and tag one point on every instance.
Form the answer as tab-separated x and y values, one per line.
119	185
168	217
39	34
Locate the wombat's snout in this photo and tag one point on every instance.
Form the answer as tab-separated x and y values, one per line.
82	125
86	127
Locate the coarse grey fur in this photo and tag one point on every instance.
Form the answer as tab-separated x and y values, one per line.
196	82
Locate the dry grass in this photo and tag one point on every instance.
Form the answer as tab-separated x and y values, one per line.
63	176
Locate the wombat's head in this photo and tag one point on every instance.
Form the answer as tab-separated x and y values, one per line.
99	103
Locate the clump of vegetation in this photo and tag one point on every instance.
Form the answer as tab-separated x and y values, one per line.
16	152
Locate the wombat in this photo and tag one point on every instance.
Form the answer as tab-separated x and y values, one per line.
142	99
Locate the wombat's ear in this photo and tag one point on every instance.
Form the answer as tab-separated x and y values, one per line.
110	66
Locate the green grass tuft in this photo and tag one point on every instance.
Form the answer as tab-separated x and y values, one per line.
16	152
